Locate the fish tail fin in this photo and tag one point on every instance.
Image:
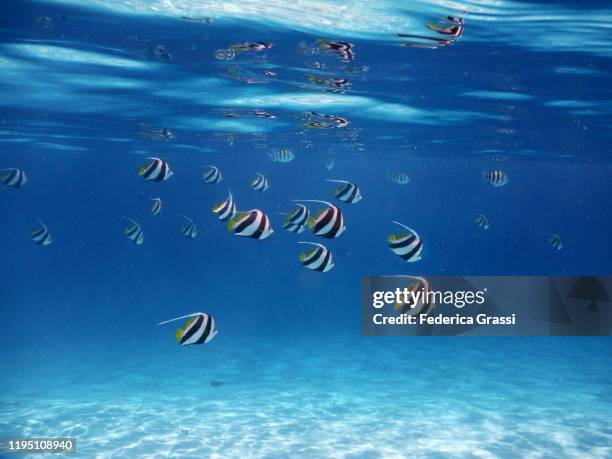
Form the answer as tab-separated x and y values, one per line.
179	334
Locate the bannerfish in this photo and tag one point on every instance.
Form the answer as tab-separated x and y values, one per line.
252	223
14	178
284	155
199	329
346	192
419	303
496	177
343	49
555	241
250	46
200	20
297	219
260	183
157	206
226	209
212	175
156	169
189	229
401	178
161	53
317	258
41	235
482	221
406	245
315	120
134	232
328	223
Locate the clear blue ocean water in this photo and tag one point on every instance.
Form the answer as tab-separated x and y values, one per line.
90	89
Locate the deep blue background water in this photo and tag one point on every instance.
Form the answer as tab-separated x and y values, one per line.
78	84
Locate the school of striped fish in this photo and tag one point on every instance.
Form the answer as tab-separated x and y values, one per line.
323	219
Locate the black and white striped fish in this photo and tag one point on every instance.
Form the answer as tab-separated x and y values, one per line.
253	223
496	177
401	178
406	245
328	223
226	209
199	329
189	229
212	175
260	183
14	178
297	219
482	221
346	192
284	155
421	302
317	258
156	169
41	235
157	206
134	232
555	241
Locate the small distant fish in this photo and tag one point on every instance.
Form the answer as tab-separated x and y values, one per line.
318	258
269	73
157	206
482	222
15	178
346	192
316	120
296	220
328	223
253	223
156	169
262	114
406	245
212	175
400	178
199	329
330	163
134	232
343	49
161	134
496	177
284	155
226	209
424	302
161	53
216	383
225	54
555	241
250	46
260	183
337	83
189	229
200	20
41	235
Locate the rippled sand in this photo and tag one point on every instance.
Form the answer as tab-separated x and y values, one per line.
311	398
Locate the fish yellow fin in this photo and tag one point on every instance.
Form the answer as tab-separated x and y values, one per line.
142	170
311	222
189	323
232	222
306	254
398	306
179	334
127	229
392	238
